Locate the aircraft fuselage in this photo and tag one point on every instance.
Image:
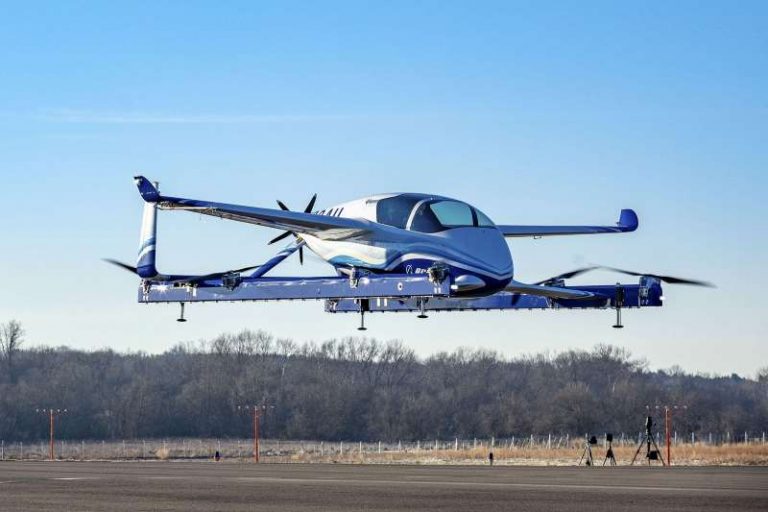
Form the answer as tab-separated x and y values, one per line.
477	257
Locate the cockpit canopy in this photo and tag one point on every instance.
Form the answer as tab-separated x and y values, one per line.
428	214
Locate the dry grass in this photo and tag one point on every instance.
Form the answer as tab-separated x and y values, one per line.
162	453
684	454
561	453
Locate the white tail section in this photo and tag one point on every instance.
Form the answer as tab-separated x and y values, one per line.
145	266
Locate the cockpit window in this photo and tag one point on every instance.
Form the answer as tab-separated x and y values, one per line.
395	211
440	215
452	214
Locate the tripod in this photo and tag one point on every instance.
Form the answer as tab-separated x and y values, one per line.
647	441
587	453
609	454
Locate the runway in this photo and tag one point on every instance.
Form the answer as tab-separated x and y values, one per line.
206	486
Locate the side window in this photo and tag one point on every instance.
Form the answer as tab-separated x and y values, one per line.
482	220
394	211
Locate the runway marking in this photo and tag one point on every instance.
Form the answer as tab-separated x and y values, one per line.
499	484
70	478
7	481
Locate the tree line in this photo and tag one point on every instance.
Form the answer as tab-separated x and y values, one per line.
354	389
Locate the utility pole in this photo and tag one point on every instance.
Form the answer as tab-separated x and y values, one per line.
668	427
257	411
52	413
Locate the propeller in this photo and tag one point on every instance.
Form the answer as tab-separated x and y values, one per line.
218	275
663	278
286	234
185	279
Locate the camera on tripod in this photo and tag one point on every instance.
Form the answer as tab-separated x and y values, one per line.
654	454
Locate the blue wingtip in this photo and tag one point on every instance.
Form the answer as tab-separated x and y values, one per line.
628	220
147	190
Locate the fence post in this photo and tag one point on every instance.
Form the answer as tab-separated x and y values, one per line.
549	442
456	443
2	450
379	447
21	450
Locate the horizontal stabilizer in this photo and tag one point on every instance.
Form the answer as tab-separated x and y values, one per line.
627	222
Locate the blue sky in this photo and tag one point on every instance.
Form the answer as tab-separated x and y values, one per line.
535	112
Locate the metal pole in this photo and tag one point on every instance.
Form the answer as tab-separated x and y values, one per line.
667	427
256	417
52	452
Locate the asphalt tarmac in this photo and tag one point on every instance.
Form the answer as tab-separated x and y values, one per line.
207	486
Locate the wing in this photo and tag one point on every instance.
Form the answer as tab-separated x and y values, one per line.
627	222
552	292
321	226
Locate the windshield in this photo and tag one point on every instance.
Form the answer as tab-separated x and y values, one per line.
434	216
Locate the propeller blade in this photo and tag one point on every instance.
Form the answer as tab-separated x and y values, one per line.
311	204
282	206
301	255
568	275
280	237
666	279
217	275
122	265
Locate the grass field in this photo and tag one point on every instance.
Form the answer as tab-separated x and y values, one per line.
521	452
689	455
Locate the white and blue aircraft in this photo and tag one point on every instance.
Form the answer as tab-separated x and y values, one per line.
391	252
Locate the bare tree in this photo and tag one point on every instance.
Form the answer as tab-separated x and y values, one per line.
11	338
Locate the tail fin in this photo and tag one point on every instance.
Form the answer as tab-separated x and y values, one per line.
147	189
628	220
145	266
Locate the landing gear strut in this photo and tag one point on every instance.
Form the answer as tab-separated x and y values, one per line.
181	315
619	305
422	314
364	306
362	322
